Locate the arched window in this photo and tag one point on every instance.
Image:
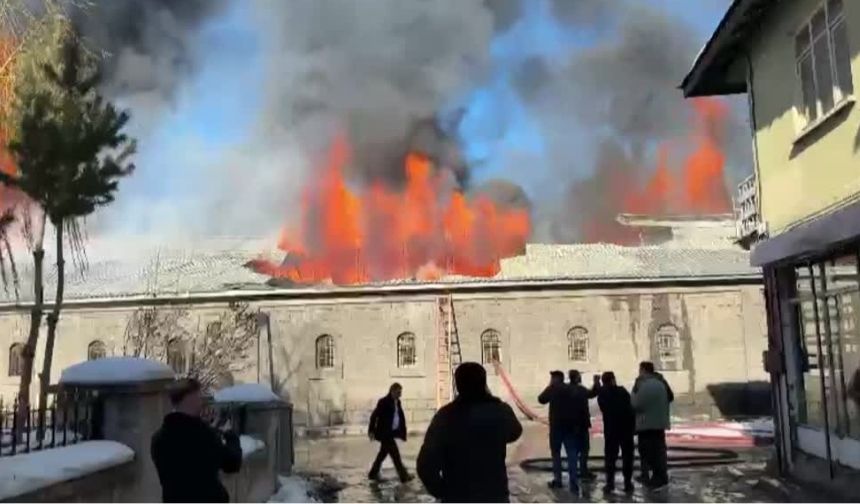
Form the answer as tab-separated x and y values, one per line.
491	347
325	352
668	342
16	359
407	356
177	355
577	344
96	350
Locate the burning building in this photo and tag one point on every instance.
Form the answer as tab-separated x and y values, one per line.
686	300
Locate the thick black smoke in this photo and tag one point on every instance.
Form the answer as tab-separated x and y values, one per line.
380	71
147	45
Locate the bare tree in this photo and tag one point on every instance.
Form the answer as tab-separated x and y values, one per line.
215	352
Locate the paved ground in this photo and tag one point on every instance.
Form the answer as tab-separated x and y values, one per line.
343	463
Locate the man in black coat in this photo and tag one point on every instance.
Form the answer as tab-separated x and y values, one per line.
568	419
463	455
387	424
585	435
188	453
619	425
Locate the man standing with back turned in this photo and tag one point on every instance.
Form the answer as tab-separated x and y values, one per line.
388	423
584	436
568	408
651	404
463	455
619	423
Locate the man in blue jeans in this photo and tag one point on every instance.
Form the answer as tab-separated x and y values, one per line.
568	410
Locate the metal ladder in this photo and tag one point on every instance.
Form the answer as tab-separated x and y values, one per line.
448	353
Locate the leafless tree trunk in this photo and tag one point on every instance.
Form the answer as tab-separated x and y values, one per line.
53	319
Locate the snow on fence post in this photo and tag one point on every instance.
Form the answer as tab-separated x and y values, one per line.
267	418
133	401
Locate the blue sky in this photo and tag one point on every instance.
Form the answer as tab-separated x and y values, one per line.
213	112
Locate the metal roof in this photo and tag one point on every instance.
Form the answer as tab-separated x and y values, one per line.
126	270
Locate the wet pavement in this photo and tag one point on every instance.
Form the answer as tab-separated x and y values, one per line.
701	474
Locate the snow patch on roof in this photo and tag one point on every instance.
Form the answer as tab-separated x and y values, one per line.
115	370
26	473
246	392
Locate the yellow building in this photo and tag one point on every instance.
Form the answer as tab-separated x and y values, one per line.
798	63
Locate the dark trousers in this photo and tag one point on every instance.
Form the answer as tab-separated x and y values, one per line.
388	447
570	441
643	463
584	449
613	442
652	446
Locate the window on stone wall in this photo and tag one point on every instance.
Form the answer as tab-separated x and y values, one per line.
577	344
177	355
491	347
668	342
407	355
96	350
16	359
325	352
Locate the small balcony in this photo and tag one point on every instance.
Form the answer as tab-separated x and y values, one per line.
750	227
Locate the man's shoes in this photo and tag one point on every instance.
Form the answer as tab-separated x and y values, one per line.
608	488
588	476
574	489
555	484
373	476
642	478
406	478
628	487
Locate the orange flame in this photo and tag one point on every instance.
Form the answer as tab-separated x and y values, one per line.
8	197
380	234
697	187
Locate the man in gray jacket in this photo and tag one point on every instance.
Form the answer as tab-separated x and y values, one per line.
651	403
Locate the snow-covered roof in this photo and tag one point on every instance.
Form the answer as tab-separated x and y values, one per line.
134	269
22	474
246	392
115	370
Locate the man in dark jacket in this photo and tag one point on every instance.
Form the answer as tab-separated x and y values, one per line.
568	412
387	424
188	452
463	455
584	435
619	424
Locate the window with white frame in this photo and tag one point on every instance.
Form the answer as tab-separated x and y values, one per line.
823	62
491	347
577	344
96	350
668	342
407	356
325	352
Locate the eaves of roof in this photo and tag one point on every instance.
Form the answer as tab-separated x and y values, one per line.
708	73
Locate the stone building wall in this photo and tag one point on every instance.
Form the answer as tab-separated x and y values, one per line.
721	333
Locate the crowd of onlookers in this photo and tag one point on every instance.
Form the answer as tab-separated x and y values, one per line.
462	458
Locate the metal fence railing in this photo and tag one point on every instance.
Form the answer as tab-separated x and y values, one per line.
71	417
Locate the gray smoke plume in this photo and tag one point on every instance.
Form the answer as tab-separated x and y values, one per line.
147	46
380	71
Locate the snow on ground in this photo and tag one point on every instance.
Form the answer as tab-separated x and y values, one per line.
760	428
246	392
26	473
293	489
116	370
250	445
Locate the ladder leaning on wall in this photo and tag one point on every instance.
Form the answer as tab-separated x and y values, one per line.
448	354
